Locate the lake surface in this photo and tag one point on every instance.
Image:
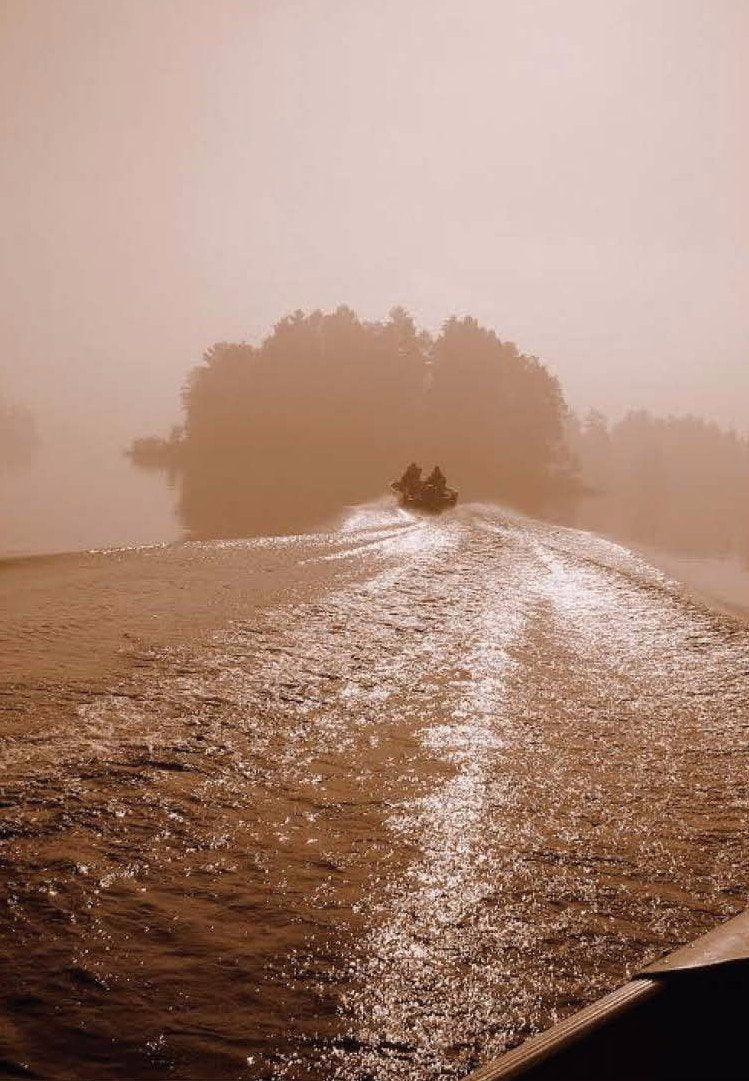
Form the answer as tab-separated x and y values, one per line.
367	804
79	494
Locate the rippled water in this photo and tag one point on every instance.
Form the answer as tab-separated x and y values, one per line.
371	804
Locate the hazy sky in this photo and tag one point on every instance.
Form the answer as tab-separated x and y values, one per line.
176	172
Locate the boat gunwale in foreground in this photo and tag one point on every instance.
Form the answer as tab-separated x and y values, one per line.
710	971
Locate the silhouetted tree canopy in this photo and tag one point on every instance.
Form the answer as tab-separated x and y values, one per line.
495	417
677	482
329	408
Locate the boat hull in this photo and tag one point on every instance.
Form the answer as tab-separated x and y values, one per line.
429	506
682	1017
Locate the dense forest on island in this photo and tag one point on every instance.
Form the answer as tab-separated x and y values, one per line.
329	408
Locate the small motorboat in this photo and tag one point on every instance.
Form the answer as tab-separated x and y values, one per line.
432	494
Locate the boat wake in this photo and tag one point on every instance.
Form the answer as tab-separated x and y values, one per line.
373	803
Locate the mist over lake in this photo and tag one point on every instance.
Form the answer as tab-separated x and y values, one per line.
374	540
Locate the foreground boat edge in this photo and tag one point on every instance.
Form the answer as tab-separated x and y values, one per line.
700	979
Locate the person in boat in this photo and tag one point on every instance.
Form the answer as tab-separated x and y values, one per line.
410	483
436	482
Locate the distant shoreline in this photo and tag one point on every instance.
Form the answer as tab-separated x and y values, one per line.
707	580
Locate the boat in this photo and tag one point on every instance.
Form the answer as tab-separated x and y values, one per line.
432	495
682	1017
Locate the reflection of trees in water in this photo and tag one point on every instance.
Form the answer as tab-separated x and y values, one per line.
329	408
679	483
18	437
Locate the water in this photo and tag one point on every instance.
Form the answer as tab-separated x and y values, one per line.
368	804
81	491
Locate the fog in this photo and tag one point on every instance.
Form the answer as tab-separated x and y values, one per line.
79	492
176	173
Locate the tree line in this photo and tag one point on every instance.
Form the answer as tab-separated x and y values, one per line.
329	408
678	483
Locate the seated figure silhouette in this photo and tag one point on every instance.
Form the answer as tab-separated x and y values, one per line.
436	482
410	482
